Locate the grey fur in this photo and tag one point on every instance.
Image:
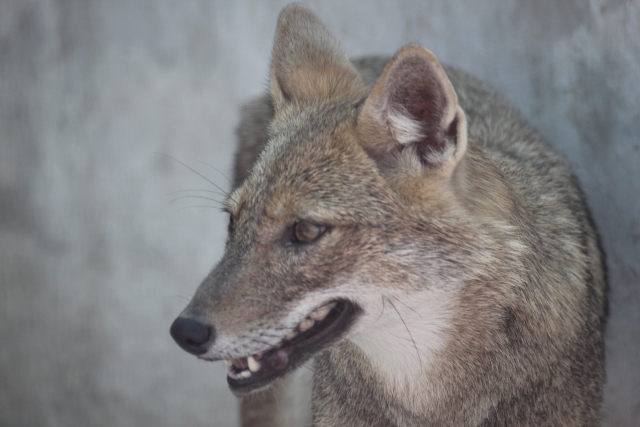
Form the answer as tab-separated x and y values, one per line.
516	255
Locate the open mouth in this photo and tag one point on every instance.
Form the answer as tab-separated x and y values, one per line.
321	328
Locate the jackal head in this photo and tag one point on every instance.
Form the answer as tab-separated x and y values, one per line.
351	204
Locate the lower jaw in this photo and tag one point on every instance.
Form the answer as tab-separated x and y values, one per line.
241	390
279	362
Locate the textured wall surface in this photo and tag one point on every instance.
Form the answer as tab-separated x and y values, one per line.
99	248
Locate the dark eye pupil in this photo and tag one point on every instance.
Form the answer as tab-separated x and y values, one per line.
306	231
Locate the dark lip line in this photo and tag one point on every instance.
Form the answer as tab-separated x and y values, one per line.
303	348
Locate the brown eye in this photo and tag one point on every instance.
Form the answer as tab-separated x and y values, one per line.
307	231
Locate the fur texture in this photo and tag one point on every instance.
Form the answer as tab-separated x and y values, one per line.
460	236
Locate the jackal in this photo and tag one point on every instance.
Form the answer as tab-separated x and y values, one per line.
398	229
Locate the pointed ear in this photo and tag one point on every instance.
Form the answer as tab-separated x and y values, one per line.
414	107
308	63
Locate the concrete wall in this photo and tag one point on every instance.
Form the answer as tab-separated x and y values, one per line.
99	252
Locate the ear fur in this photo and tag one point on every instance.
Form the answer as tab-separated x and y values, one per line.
413	106
308	63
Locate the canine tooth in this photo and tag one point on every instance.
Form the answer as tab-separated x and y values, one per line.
291	335
306	324
244	374
254	366
228	362
321	313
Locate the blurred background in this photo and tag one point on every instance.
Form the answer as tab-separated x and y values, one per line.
99	248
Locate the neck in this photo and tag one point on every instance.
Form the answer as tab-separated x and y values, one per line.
402	342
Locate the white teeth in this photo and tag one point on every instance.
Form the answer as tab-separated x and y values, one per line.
291	335
305	325
239	375
322	312
254	365
252	362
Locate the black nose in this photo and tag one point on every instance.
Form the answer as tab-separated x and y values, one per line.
192	335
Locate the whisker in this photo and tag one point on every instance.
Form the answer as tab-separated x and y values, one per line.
410	308
219	208
196	172
194	197
182	297
309	368
383	307
409	332
217	170
272	390
196	190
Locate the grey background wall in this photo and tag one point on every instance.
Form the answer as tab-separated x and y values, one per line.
99	252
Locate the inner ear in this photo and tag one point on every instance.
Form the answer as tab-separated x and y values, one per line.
414	106
416	96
